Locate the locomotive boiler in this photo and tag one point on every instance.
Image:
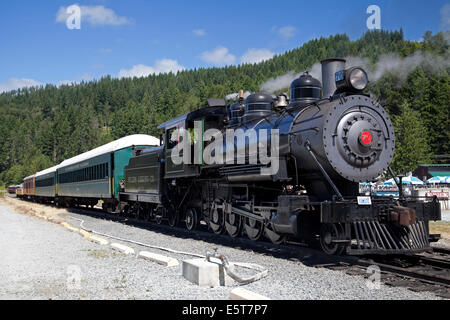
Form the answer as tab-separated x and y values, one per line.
328	139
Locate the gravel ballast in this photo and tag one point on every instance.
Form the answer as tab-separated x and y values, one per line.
40	260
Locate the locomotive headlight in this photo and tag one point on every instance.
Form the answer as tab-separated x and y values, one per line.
351	79
358	79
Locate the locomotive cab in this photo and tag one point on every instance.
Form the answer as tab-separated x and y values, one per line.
184	127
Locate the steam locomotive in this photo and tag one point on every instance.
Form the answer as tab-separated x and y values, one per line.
276	167
328	139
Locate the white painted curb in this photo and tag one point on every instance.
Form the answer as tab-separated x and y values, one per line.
158	258
98	240
70	228
122	248
85	233
243	294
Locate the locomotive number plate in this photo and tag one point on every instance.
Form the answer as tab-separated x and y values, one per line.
364	201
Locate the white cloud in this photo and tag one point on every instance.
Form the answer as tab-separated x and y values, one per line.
199	32
285	32
445	16
86	77
95	15
256	56
15	83
219	56
141	70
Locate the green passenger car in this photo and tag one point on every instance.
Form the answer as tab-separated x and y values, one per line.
96	174
45	182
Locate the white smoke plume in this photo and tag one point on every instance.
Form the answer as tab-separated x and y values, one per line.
278	83
402	67
392	63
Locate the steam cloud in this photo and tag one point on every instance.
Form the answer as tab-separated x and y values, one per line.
393	63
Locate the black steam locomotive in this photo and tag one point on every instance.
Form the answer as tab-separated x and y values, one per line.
324	140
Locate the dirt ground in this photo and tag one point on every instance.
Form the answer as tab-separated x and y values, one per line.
442	227
33	209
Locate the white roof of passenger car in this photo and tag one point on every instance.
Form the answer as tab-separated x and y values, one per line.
44	172
29	177
125	142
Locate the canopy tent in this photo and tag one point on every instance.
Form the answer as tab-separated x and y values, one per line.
439	179
405	180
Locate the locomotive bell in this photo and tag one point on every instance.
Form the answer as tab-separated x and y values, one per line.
282	101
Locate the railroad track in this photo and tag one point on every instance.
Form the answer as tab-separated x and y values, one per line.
429	271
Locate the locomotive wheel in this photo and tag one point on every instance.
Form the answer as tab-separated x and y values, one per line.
217	219
172	216
273	236
233	224
254	229
328	233
159	214
146	213
191	219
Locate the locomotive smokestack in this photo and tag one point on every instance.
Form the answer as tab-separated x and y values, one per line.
329	68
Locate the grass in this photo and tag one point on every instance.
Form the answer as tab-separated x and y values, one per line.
442	227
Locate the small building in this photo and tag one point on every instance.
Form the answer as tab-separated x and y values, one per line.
427	171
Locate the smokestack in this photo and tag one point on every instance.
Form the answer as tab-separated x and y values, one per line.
329	68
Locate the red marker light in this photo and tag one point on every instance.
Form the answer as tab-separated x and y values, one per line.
365	137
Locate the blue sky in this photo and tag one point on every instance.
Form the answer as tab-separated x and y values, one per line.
137	37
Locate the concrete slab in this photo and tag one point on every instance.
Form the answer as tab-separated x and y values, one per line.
159	258
204	273
244	294
69	227
85	233
73	229
98	240
122	248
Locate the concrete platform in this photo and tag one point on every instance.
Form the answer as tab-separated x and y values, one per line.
204	273
122	248
85	234
159	258
69	227
243	294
